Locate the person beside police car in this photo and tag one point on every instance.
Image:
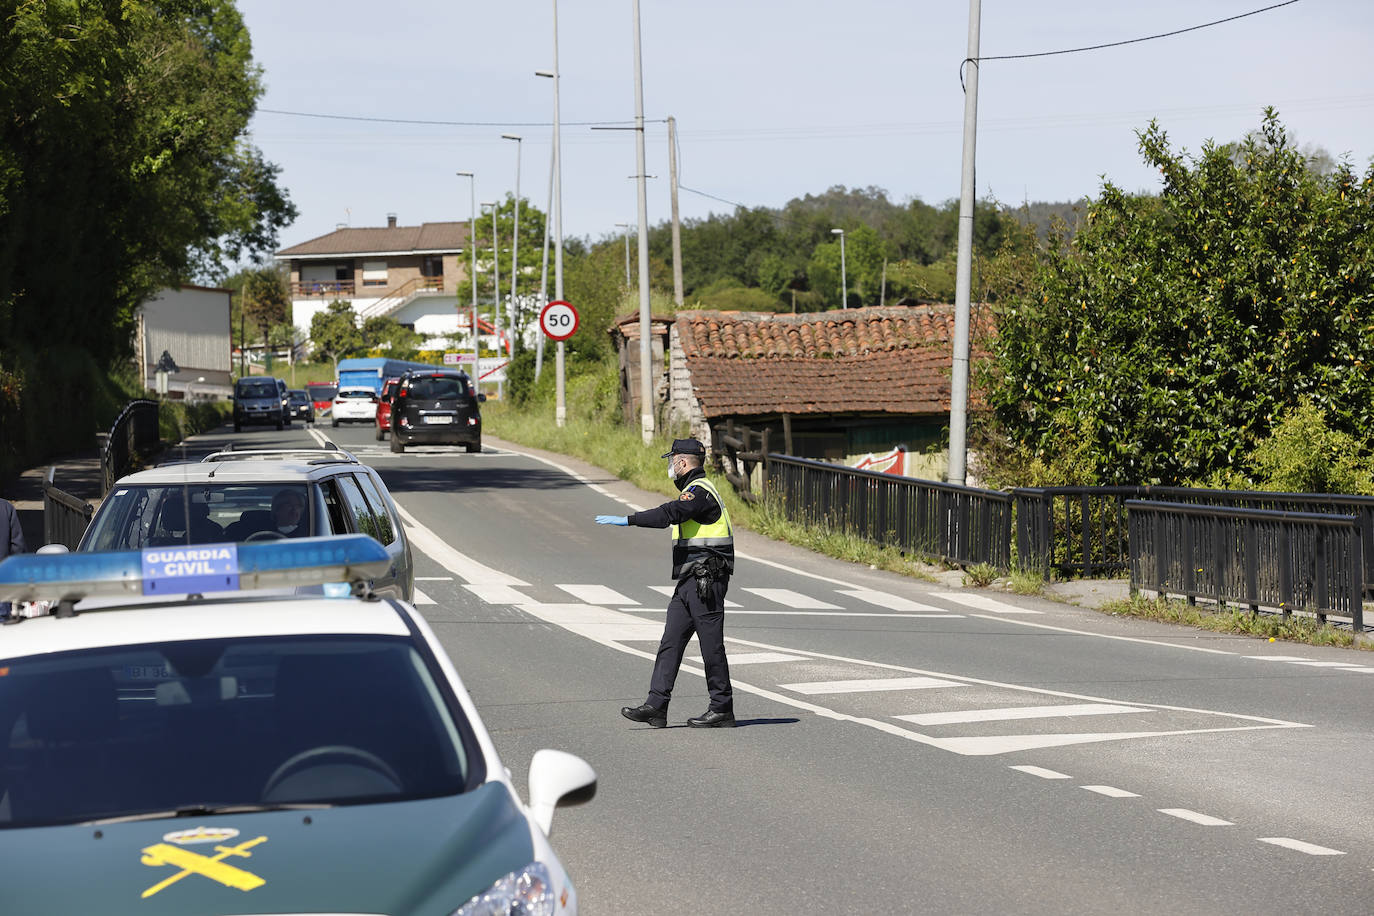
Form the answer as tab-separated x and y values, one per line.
11	540
703	560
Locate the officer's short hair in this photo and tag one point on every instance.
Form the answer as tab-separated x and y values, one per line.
694	461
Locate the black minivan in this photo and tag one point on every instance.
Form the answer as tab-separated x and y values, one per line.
260	399
436	406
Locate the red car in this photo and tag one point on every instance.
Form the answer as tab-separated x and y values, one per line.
322	397
384	407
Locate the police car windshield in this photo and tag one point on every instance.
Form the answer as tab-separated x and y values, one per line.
164	516
112	733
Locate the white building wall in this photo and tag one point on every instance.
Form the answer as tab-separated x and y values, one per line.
192	325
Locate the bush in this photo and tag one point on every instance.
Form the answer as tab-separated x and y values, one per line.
177	420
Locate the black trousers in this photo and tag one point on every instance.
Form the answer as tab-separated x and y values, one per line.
688	614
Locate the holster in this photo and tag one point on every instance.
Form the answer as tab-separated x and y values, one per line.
708	571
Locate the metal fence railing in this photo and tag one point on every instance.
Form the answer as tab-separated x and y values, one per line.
957	524
1074	530
65	517
1257	558
134	433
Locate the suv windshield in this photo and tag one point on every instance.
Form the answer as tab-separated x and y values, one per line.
256	388
190	727
437	387
160	516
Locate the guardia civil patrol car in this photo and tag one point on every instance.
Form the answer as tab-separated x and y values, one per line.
174	739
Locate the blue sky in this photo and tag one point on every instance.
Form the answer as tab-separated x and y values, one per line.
775	99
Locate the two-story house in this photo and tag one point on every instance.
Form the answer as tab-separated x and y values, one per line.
409	273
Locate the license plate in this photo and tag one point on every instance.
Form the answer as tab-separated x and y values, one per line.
438	419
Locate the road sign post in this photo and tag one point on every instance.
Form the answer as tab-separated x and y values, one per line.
558	321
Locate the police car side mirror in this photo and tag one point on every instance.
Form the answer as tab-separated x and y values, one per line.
558	779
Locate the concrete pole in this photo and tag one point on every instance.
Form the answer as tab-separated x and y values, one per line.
544	277
963	280
496	282
646	373
514	243
677	224
560	413
472	272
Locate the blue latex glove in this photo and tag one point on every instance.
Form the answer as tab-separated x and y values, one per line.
612	520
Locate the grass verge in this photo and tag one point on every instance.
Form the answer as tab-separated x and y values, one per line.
1265	626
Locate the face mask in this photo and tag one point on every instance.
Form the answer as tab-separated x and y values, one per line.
672	470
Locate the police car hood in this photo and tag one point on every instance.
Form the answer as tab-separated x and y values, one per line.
425	856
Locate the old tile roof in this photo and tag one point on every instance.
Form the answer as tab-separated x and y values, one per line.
427	237
870	360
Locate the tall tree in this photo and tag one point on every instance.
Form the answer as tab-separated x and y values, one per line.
266	298
334	332
1168	338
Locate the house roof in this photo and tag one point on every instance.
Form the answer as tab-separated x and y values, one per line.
426	238
870	360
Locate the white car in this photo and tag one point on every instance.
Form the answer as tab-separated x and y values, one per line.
354	405
176	743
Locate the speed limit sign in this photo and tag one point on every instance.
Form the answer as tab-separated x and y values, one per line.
558	320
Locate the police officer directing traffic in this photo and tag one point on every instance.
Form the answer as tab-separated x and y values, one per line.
703	559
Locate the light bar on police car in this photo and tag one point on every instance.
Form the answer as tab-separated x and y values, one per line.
194	568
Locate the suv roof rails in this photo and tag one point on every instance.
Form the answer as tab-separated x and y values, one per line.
309	455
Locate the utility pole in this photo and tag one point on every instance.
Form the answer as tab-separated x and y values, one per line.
472	274
963	280
514	248
677	225
646	376
495	282
544	277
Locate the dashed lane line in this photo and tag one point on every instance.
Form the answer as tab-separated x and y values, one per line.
1041	772
1312	849
1110	791
1205	820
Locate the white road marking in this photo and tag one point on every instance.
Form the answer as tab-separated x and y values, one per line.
866	685
1312	849
497	594
421	598
1277	658
1148	642
1041	772
788	598
1322	664
1110	791
891	602
596	594
433	578
446	556
982	603
669	589
595	623
756	658
1357	668
1019	712
900	614
1205	820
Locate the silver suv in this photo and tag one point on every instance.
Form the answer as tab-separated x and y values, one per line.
255	495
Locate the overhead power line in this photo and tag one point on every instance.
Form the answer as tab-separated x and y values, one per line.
1128	41
339	117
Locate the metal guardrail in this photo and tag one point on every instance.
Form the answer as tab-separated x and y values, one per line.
1083	530
65	517
133	434
1252	557
961	525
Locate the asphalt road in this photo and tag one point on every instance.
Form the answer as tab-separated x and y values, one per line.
904	747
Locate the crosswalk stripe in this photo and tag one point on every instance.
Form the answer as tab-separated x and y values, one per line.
1019	712
755	658
865	685
904	615
420	598
595	623
497	594
982	603
596	594
669	589
883	599
789	598
1312	849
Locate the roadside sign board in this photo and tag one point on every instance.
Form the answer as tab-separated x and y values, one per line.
558	320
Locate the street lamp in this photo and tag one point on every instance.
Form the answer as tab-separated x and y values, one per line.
495	281
626	227
472	270
560	413
844	281
515	239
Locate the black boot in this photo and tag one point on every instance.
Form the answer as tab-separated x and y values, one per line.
713	719
655	717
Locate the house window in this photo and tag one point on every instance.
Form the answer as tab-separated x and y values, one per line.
432	266
374	273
